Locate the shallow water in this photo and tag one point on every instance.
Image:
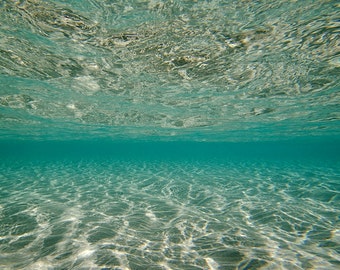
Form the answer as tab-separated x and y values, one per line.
169	215
148	134
169	70
183	206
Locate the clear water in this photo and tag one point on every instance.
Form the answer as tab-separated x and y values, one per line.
148	134
169	212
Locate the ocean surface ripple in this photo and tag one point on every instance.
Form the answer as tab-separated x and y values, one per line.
198	70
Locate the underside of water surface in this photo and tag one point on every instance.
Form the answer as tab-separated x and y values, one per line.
149	134
169	70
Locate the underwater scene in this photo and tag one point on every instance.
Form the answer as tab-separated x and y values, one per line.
150	134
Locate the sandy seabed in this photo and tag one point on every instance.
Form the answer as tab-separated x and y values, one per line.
168	215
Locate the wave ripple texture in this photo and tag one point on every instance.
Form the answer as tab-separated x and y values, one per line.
177	215
198	70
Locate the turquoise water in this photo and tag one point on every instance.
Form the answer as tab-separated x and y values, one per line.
148	134
138	206
169	205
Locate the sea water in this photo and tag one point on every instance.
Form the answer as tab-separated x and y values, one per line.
148	134
183	206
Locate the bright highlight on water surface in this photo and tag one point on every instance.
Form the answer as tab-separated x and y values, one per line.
149	134
170	70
